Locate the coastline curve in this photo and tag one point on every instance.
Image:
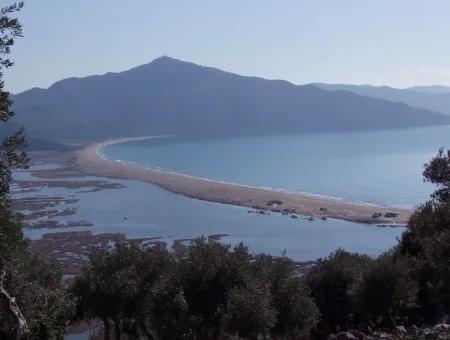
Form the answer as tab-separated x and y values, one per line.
91	161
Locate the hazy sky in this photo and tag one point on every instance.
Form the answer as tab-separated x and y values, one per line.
393	42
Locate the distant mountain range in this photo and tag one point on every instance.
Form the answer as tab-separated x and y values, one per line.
431	89
434	98
169	96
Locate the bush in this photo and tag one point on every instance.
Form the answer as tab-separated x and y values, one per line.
427	242
386	290
332	282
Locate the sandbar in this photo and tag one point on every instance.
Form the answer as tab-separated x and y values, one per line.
90	161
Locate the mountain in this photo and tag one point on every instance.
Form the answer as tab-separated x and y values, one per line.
434	98
437	89
169	96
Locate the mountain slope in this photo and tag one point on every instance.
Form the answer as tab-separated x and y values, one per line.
168	96
436	89
434	98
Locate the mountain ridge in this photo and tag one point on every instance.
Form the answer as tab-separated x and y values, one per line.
170	96
434	98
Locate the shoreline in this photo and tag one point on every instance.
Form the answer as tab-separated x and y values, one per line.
90	161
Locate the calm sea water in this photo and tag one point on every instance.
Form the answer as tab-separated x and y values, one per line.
154	212
377	167
381	167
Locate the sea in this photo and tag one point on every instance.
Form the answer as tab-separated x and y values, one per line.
379	167
370	167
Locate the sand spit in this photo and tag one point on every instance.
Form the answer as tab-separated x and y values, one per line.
90	161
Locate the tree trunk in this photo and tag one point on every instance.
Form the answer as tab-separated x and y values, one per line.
117	329
22	325
149	333
106	329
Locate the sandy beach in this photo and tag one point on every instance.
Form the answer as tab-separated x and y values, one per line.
89	161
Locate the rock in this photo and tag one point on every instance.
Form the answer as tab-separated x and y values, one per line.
401	330
258	212
442	327
439	331
343	336
390	214
275	202
383	336
386	225
294	216
358	334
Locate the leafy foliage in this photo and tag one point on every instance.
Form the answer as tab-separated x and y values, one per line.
438	172
427	242
296	312
213	292
386	290
333	283
123	286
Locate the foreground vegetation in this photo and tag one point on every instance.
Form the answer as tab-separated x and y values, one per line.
33	301
216	292
213	292
219	292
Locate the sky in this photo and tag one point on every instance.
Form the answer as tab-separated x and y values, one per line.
398	43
